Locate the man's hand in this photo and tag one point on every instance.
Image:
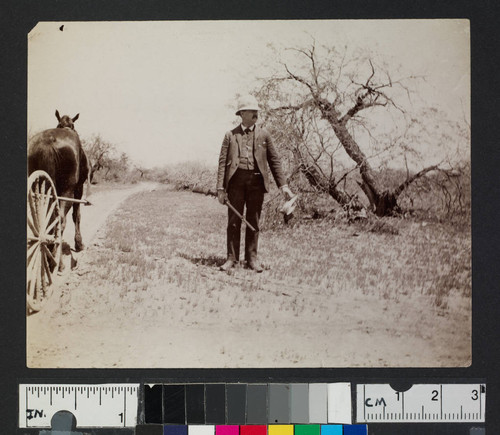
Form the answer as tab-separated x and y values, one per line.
222	196
286	191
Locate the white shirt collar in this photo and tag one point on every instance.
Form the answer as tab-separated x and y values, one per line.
252	128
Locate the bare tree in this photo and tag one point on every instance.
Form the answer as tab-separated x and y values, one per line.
100	154
328	106
118	167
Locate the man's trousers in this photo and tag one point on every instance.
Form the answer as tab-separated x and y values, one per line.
246	188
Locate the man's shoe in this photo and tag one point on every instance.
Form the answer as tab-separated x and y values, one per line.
254	266
227	265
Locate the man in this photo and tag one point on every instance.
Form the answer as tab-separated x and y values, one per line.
242	179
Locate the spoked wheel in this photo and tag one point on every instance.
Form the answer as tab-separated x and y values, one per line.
44	239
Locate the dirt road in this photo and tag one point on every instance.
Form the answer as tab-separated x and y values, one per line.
104	203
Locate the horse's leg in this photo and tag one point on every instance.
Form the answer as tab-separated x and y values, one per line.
76	219
64	207
78	236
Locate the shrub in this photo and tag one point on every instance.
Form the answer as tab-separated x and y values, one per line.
194	176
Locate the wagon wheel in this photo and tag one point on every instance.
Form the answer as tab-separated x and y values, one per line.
44	239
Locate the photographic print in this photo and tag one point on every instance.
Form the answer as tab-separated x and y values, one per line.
249	194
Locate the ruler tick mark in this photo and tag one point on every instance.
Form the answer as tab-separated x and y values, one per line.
364	401
441	399
124	409
27	406
480	404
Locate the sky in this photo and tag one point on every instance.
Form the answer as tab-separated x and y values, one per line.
164	91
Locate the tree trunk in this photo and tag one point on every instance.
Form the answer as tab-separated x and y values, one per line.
387	204
355	153
92	173
383	203
315	180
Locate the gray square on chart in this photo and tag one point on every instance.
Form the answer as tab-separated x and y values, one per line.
257	404
299	403
279	403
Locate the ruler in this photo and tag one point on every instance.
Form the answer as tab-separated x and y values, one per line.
118	405
425	403
103	405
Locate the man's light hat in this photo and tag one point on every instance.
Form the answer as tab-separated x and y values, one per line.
247	102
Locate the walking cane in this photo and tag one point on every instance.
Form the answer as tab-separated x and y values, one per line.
237	213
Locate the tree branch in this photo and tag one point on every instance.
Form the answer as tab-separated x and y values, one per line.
301	80
414	177
345	175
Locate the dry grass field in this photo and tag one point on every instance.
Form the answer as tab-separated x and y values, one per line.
148	293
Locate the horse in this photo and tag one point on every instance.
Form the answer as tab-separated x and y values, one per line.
58	152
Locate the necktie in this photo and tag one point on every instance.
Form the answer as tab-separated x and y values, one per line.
247	130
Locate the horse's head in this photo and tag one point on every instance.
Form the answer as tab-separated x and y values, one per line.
66	121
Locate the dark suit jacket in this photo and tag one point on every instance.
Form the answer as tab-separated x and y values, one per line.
264	151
